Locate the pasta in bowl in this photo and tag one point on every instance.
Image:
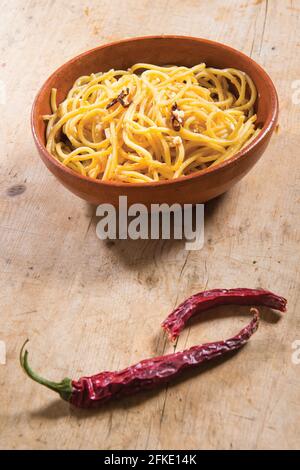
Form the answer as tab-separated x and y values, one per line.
157	125
151	124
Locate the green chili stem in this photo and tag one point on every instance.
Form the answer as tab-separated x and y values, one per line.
63	388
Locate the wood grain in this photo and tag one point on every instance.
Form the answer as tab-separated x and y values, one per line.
88	305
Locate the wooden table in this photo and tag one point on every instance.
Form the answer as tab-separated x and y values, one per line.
87	305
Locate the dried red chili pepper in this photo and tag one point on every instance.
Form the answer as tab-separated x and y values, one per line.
120	99
203	301
90	392
176	118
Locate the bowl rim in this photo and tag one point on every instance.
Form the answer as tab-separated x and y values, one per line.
267	128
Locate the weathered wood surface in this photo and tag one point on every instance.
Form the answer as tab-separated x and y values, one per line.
88	305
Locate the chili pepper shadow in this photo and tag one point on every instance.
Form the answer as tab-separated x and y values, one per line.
55	410
59	409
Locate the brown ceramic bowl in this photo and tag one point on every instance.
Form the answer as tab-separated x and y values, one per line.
160	50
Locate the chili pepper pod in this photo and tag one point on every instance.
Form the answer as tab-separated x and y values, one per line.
175	322
151	373
91	392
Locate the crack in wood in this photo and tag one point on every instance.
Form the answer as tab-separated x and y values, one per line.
264	25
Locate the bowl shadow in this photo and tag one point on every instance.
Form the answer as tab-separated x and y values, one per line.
134	253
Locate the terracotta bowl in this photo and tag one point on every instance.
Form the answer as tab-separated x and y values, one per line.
160	50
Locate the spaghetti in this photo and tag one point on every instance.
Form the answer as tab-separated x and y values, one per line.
152	123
